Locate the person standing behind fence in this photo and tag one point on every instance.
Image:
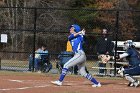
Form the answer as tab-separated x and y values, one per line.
103	47
79	59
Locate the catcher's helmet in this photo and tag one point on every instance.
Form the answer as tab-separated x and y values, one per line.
128	44
76	27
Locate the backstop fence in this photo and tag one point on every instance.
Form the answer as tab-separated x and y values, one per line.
28	28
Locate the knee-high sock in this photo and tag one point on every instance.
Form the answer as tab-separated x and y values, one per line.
63	74
93	80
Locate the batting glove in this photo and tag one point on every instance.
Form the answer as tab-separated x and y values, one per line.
83	32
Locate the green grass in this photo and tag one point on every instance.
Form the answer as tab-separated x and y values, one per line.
14	63
24	64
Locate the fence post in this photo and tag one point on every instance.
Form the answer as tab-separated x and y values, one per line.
35	17
116	39
0	63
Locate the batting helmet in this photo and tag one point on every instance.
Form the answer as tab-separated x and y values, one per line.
76	27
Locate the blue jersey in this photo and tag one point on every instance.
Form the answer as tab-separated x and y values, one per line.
76	42
134	57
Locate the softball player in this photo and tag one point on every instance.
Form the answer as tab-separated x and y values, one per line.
133	56
79	59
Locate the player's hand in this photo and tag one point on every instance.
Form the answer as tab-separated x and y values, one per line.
83	32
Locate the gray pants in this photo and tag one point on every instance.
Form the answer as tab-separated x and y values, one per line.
79	59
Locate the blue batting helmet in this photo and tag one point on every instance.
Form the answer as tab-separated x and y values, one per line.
76	27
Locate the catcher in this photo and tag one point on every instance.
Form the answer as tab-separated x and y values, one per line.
133	56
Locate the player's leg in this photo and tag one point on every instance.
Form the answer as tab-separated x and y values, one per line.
37	64
72	62
132	81
129	73
83	72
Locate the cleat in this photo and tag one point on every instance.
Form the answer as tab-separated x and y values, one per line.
136	83
98	85
57	83
131	84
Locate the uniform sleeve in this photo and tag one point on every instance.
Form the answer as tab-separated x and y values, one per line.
123	55
127	53
71	37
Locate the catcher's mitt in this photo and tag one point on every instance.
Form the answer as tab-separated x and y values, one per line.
104	58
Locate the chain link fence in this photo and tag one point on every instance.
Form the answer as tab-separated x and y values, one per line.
28	28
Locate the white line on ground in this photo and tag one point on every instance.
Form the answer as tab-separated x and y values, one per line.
23	88
16	80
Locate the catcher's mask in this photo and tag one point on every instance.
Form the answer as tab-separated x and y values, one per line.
128	44
76	28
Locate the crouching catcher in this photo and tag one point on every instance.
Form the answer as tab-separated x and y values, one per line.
133	57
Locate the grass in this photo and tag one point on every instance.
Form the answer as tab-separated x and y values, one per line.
14	63
24	64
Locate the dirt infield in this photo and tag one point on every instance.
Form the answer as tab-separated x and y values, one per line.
40	83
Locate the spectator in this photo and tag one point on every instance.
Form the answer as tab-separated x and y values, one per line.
104	46
38	55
